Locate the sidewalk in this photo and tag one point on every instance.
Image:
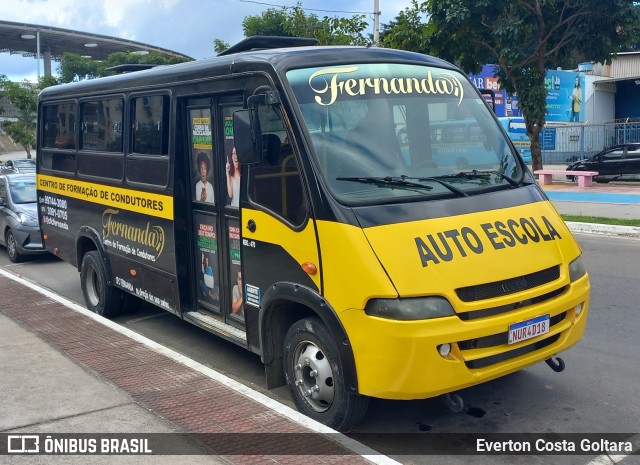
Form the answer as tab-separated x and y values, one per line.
613	200
66	370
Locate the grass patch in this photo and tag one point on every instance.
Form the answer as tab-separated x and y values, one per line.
602	220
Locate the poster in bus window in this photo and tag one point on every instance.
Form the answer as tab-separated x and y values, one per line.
232	165
202	154
206	254
237	286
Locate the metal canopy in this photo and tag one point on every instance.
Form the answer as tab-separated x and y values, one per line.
22	38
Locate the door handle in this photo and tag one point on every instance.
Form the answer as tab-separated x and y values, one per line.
251	226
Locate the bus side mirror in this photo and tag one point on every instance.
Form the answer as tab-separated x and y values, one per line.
489	97
247	136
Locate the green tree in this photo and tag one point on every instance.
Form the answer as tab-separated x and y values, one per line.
24	97
408	31
220	45
270	23
73	67
295	22
522	38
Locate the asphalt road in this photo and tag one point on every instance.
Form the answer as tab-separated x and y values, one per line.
597	393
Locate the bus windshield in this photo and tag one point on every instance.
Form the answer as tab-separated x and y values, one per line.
387	131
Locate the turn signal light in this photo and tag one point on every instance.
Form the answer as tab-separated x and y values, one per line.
309	268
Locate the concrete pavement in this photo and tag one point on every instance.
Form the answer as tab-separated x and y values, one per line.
68	374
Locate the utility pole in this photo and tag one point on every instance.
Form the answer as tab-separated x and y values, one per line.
376	23
38	51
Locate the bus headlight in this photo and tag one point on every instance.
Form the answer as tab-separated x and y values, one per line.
576	269
418	308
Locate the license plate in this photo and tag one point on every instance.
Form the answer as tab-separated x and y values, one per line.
527	329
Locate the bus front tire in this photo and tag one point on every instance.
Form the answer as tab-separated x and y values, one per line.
315	377
99	296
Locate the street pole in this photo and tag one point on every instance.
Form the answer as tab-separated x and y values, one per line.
38	51
376	23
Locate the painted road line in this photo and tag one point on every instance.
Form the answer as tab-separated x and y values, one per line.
607	459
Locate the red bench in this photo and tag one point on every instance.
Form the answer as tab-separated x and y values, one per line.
585	178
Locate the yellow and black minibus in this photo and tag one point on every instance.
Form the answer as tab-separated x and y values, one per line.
355	216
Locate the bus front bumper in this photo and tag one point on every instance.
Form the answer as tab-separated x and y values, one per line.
400	359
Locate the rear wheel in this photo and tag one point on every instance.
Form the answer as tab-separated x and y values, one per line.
99	296
12	248
315	377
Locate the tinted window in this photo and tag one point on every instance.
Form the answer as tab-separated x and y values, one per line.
59	126
150	125
633	152
102	125
275	183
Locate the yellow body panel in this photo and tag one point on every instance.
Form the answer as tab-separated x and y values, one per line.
301	245
400	359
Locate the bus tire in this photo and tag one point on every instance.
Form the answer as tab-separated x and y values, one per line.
99	296
315	378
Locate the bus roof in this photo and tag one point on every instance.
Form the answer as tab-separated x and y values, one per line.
279	59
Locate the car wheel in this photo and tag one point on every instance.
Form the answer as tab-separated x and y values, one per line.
315	377
12	248
99	296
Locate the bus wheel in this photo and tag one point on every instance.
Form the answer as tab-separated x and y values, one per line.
315	377
99	297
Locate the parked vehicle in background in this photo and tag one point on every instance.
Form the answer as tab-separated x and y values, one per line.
517	132
19	165
20	232
616	163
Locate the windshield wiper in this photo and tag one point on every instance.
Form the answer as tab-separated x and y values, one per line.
405	181
387	181
482	174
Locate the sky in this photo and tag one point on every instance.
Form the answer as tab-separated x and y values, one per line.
185	26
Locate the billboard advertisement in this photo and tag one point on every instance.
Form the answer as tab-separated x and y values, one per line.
565	94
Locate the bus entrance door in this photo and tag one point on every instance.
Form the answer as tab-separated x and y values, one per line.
215	179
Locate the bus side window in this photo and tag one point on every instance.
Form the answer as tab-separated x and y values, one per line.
275	182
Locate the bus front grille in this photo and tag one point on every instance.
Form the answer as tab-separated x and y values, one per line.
501	339
484	362
508	286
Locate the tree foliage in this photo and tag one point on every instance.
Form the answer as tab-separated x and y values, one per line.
522	38
220	45
24	97
74	67
295	22
408	31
